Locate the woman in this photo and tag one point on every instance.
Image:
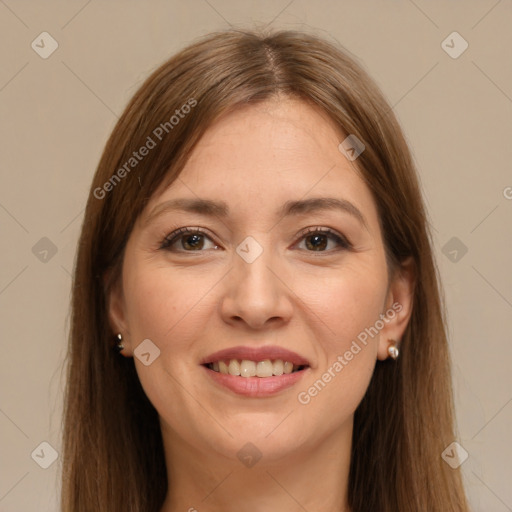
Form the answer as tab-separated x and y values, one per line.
256	321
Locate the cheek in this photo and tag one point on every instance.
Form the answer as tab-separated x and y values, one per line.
347	301
161	302
167	306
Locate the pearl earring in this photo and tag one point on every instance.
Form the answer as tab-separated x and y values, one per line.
393	350
119	345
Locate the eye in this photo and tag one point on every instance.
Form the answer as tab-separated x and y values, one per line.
186	240
317	239
189	239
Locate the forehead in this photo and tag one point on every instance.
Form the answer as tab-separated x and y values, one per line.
262	155
279	136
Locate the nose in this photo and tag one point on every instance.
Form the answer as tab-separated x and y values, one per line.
256	294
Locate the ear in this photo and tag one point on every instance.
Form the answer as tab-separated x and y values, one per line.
398	307
116	309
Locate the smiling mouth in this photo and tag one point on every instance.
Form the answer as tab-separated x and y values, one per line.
247	368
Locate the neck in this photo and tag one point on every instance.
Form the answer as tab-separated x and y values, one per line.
312	478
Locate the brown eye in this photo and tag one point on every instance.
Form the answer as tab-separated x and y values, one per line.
186	240
192	242
317	240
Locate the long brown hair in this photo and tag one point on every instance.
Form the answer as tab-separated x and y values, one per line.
113	457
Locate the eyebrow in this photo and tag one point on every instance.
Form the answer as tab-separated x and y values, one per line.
220	209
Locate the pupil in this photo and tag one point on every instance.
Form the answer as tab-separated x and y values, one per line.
319	241
196	238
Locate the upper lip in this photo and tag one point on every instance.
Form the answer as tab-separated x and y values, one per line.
271	352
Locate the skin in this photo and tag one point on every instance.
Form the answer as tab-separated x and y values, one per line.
314	302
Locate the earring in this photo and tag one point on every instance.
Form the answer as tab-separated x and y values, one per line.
119	345
393	350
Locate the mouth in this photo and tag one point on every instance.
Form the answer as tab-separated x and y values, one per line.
247	368
255	372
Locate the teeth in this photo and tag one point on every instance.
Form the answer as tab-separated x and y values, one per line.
234	367
278	367
247	368
264	368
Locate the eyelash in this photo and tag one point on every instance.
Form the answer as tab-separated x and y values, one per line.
169	239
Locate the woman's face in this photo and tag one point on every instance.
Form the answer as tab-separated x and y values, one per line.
289	267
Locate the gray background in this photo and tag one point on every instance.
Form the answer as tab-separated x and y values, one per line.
57	113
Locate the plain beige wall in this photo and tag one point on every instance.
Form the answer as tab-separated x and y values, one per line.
57	113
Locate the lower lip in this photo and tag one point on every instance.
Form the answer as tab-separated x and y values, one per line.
256	387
